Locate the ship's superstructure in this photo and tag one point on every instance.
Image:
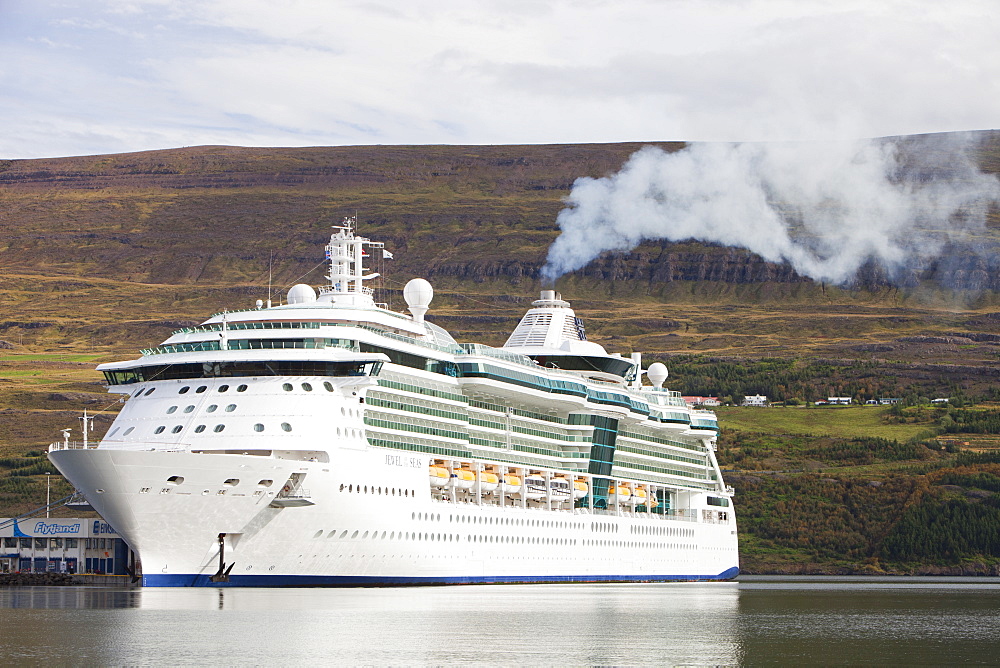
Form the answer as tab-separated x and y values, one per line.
329	440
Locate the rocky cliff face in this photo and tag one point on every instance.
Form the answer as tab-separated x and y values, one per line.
229	215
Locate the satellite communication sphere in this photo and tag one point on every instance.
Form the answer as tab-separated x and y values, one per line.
301	294
657	373
418	293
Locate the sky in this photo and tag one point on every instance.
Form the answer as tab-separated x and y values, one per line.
83	77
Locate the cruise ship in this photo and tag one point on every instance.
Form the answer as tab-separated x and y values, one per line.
329	440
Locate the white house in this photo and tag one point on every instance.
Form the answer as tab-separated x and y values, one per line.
755	400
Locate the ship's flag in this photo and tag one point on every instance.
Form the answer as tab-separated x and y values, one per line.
386	255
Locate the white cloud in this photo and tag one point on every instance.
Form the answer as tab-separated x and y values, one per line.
89	76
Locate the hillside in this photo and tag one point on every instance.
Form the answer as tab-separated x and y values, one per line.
103	255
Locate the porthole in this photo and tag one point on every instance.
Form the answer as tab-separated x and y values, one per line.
219	427
287	387
128	431
232	482
113	432
242	388
176	430
188	409
285	426
212	408
307	387
318	534
159	430
150	391
258	427
172	409
223	388
265	483
175	479
230	408
328	385
183	390
200	428
201	388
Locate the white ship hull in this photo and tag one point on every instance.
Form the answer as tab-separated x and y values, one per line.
377	536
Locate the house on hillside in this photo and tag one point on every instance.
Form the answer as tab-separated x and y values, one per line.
755	400
838	401
701	401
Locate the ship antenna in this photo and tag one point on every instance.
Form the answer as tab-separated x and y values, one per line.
270	258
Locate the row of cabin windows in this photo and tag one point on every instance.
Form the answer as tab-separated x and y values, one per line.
388	491
209	409
187	388
492	538
176	429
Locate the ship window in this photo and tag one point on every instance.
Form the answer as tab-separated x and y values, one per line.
223	388
258	427
172	409
188	409
150	391
232	482
201	388
219	427
265	483
212	408
183	390
286	427
241	388
307	387
159	430
175	429
113	432
175	479
230	408
287	387
328	385
128	431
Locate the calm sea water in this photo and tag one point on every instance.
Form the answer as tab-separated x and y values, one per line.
786	622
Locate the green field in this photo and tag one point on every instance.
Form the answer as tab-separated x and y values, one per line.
839	422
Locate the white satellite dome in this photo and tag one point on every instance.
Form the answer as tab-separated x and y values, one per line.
301	294
657	373
418	294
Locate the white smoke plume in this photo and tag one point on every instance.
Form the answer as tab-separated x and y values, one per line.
825	208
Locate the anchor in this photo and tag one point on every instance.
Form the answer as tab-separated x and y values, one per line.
222	575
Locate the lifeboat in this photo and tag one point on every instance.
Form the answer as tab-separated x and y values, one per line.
439	476
464	478
619	494
580	489
561	489
639	496
487	482
534	487
511	483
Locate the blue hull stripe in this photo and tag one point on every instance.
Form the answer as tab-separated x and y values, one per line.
180	580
